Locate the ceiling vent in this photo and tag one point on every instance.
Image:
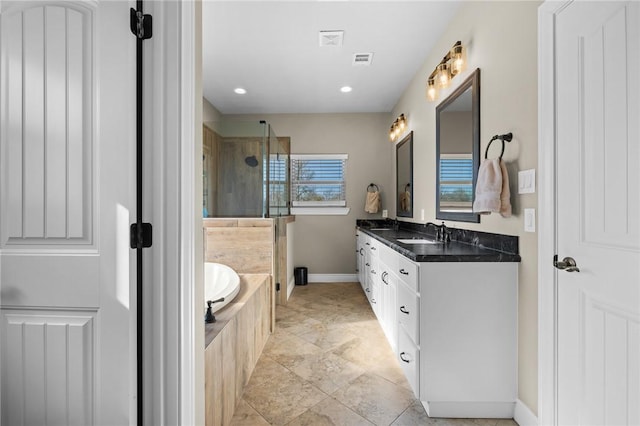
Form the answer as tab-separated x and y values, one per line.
331	38
362	59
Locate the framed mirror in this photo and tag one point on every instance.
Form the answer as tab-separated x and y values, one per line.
404	177
458	152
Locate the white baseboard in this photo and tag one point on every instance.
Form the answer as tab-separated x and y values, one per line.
470	409
290	286
523	415
333	278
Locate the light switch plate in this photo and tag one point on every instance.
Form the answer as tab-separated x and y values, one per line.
385	213
527	181
529	220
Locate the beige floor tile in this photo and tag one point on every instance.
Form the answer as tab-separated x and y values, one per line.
326	371
327	336
365	353
283	397
290	347
328	413
293	321
245	415
376	399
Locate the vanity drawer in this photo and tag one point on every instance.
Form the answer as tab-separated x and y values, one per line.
407	311
409	359
408	272
374	246
390	258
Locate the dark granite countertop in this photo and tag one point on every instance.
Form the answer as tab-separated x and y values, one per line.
465	245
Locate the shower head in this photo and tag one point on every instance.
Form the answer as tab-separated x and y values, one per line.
251	161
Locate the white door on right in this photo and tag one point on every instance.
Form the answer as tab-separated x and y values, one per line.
598	213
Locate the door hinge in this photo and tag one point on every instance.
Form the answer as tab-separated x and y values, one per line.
140	237
141	24
277	286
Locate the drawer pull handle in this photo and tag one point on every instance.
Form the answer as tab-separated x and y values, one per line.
404	310
368	264
373	248
403	272
402	357
385	274
373	272
367	290
360	251
368	244
373	300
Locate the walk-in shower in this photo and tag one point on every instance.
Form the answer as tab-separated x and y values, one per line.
245	170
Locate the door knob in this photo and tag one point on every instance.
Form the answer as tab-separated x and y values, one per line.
567	264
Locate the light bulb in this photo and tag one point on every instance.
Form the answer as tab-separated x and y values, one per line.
442	76
403	123
457	59
432	92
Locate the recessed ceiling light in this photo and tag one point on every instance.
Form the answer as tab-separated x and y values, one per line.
345	89
240	90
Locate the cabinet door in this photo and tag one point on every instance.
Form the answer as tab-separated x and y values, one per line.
389	288
374	297
360	260
408	314
409	359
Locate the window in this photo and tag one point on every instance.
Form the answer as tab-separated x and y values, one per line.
278	190
318	182
456	182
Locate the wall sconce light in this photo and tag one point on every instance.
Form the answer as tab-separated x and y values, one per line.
451	65
432	92
398	127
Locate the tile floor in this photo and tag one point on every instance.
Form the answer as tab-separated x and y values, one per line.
329	363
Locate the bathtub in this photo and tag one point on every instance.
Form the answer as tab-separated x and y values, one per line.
219	281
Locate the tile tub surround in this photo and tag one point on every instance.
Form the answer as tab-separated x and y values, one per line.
465	245
233	345
329	363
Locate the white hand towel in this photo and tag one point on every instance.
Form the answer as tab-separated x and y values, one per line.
492	189
505	194
372	203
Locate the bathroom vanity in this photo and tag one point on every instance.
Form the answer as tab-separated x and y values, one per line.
449	311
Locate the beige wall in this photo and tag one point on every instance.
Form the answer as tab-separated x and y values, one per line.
502	41
326	244
209	113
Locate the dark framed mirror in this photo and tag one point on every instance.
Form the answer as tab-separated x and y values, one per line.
458	151
404	177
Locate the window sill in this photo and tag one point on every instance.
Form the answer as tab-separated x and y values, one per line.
320	211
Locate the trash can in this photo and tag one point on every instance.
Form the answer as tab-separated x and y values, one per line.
300	274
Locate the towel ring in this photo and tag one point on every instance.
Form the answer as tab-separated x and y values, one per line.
374	186
507	137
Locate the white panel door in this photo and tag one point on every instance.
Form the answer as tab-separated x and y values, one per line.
67	182
598	213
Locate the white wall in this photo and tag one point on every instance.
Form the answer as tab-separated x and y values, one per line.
501	38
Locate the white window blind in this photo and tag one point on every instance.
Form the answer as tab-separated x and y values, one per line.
278	181
318	180
456	181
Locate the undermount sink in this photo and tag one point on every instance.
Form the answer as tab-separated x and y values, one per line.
417	241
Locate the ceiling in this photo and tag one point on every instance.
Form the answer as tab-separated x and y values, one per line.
271	49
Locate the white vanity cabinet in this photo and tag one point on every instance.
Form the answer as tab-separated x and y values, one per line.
408	317
452	325
468	338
